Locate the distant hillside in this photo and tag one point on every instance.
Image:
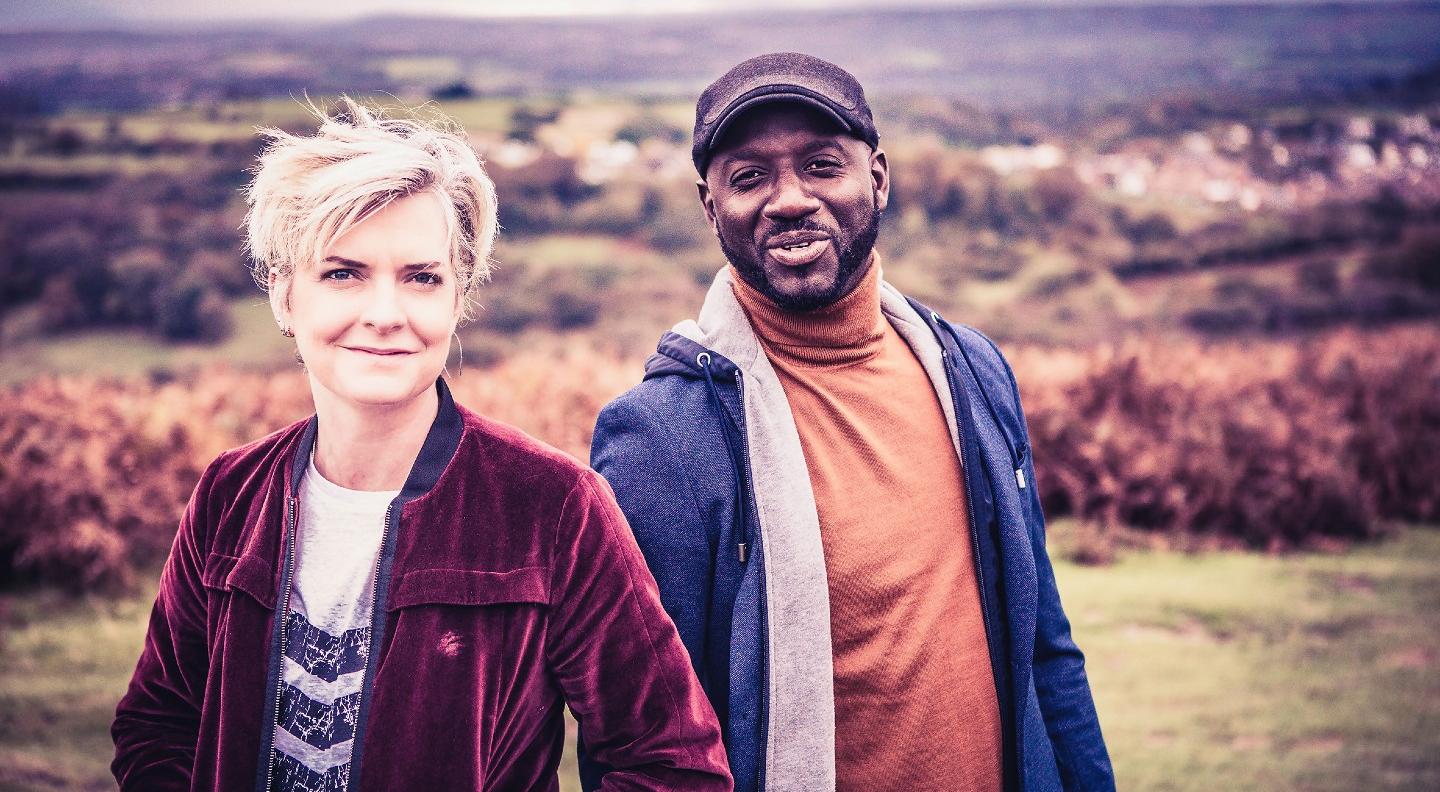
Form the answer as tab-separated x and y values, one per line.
1055	61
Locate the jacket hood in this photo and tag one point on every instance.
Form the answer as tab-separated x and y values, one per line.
677	355
721	329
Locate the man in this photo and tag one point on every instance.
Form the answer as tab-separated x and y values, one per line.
833	488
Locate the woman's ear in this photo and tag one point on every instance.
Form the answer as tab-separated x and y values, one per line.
279	291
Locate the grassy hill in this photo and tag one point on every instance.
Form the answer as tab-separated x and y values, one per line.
1213	671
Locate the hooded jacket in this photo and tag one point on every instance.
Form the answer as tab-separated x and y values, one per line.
508	586
706	463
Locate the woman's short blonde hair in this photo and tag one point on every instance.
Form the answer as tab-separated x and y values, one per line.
309	191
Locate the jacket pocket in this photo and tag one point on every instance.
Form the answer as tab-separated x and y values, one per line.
250	574
469	587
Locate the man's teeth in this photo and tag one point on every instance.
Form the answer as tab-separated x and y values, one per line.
800	246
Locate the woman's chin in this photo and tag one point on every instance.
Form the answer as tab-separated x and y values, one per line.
376	390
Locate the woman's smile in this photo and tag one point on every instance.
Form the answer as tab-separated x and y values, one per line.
377	351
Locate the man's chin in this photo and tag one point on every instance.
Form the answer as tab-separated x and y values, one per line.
791	285
803	295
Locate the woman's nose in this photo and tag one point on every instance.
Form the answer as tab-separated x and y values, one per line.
383	311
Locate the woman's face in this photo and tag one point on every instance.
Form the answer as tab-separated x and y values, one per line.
373	319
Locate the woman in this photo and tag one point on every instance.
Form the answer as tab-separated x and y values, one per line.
398	593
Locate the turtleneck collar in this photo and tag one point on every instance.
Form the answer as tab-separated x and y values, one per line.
848	332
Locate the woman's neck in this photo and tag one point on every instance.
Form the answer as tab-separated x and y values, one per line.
364	447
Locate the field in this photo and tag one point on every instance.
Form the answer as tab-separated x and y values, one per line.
1206	237
1213	671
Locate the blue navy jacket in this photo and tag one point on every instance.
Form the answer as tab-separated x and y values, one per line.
674	449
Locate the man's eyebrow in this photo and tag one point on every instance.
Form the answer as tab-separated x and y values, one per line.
749	152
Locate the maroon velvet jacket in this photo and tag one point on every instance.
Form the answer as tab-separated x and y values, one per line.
509	586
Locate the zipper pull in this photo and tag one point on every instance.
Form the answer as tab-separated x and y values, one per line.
743	547
1020	477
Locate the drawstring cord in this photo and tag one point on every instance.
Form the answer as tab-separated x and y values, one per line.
727	426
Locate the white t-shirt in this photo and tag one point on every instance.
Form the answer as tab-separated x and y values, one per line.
327	633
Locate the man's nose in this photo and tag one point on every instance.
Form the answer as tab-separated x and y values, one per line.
791	198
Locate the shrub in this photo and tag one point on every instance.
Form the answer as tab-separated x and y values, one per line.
94	474
1274	445
1416	260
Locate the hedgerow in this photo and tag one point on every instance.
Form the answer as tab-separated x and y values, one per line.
1272	445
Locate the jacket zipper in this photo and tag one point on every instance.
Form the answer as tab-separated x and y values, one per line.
377	630
283	615
375	595
744	461
764	615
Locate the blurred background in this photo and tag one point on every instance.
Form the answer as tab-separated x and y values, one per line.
1207	236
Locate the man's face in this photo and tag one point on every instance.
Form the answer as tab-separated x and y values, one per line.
796	204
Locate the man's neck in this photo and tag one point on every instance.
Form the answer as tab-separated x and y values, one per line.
843	332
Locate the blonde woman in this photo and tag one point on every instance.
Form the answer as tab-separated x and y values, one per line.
398	593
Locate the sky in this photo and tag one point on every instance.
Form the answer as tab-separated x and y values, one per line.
79	13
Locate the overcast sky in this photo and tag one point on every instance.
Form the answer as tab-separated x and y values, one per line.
76	11
73	13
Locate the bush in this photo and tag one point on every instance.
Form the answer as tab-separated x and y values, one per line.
1272	445
1276	446
1416	260
95	474
188	309
84	485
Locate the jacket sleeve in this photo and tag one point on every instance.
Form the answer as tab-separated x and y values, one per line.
636	456
619	660
157	722
1059	666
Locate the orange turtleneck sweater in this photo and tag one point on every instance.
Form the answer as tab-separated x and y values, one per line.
915	704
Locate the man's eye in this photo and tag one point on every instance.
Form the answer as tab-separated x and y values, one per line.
823	164
745	176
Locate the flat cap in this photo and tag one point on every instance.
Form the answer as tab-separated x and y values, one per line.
780	77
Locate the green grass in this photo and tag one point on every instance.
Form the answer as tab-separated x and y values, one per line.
65	664
1214	671
1242	671
95	165
254	341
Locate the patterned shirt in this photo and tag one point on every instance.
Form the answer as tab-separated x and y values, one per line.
327	633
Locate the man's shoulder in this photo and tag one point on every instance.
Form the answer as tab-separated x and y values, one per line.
654	405
984	353
979	351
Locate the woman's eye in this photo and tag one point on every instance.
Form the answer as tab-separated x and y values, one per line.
428	279
338	275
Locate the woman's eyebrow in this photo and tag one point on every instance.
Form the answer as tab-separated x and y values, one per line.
345	262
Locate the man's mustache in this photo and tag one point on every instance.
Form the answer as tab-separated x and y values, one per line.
798	225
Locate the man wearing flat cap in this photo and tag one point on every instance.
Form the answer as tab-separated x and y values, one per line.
833	485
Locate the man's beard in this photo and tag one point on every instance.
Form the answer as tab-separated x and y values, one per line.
853	256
